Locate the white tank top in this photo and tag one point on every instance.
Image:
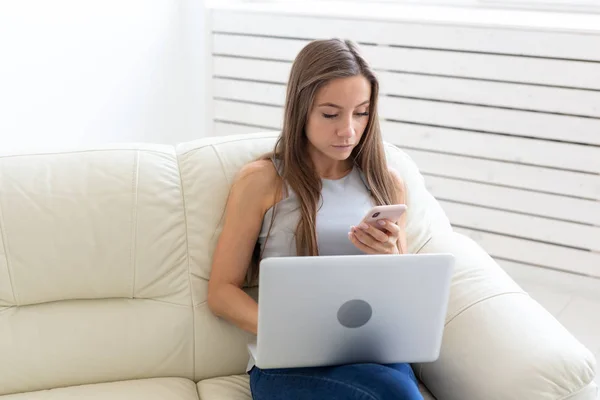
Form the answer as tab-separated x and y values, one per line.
344	202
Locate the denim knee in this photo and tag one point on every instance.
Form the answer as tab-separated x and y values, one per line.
391	382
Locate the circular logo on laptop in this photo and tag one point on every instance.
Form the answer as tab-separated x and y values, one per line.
354	313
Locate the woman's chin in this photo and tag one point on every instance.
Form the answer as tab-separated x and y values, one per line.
339	157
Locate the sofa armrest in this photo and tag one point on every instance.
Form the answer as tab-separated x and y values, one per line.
498	342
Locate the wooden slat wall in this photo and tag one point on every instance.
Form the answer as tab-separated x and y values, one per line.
504	124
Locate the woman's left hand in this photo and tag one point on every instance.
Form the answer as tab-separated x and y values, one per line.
382	239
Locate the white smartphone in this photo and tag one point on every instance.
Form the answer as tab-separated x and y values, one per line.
391	212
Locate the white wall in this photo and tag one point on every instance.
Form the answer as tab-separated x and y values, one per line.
85	72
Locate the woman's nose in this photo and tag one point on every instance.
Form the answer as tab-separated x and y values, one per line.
346	129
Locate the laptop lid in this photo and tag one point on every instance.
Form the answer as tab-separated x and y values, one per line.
333	310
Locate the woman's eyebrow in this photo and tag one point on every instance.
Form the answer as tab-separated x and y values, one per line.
340	107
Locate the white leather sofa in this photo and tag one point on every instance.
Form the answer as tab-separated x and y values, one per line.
104	260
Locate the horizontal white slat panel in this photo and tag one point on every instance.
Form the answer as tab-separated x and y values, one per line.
507	174
258	70
478	39
257	46
523	226
498	94
248	69
258	92
226	128
500	173
539	98
519	200
495	67
427	14
430	14
536	253
512	122
496	147
249	114
541	71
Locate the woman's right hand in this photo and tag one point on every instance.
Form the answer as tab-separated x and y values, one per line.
383	239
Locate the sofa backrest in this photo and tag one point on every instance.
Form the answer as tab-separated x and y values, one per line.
208	167
93	268
105	257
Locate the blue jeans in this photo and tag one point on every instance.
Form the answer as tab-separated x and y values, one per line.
346	382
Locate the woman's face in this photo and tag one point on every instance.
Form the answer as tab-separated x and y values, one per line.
338	118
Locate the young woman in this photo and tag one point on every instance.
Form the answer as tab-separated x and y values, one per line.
327	170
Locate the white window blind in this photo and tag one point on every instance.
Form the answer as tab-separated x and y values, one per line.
584	6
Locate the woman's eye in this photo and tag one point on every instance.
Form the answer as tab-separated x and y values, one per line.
331	116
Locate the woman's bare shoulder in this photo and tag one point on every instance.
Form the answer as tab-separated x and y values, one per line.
257	178
258	172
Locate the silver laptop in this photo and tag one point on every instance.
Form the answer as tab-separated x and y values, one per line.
334	310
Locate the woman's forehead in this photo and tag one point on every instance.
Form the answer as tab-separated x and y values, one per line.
345	92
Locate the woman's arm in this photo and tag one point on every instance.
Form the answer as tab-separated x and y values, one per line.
251	195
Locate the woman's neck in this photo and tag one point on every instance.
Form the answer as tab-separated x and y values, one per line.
332	169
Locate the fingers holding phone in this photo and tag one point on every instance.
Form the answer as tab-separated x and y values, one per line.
378	232
391	212
391	227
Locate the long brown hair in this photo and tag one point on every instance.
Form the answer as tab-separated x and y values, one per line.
318	63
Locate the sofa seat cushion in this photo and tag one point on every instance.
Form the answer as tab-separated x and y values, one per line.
234	387
142	389
237	387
